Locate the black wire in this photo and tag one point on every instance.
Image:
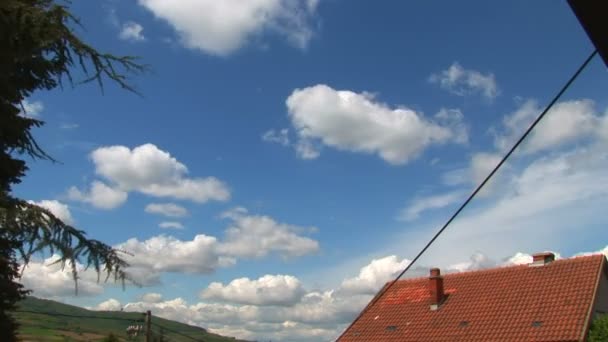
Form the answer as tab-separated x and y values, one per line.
176	332
479	187
77	316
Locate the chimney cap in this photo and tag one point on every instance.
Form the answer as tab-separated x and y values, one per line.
543	258
435	272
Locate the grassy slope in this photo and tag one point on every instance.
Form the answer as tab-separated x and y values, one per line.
36	327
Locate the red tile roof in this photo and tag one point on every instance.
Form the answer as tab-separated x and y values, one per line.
516	303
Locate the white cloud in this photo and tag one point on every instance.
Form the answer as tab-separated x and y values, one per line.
168	254
154	172
482	164
132	31
99	195
60	210
279	289
277	307
248	236
280	137
108	305
48	280
374	275
222	27
31	109
356	122
307	149
420	204
257	236
540	206
166	209
171	225
460	81
152	297
566	122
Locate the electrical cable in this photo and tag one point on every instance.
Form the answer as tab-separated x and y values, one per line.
176	332
479	187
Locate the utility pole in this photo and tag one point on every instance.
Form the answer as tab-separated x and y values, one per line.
148	326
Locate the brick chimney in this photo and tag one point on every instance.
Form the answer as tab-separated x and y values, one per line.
541	259
436	288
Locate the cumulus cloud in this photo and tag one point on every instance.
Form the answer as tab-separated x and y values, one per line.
166	209
168	254
222	27
278	307
247	236
108	305
171	225
566	122
420	204
99	195
356	122
280	137
47	279
31	109
152	297
148	170
374	275
282	290
60	210
132	31
460	81
258	235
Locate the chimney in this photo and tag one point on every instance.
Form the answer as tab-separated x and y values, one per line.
436	288
541	259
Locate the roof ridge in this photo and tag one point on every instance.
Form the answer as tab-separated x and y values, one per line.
502	267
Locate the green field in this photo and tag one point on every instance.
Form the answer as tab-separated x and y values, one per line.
72	323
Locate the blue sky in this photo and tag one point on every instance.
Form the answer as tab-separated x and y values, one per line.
312	147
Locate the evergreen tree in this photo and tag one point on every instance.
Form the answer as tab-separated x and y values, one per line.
39	48
599	329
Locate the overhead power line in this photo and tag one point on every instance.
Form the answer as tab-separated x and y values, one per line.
78	316
479	187
176	332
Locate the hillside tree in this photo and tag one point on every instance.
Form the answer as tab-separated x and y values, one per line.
40	51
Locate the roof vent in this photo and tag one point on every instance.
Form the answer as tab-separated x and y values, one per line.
541	259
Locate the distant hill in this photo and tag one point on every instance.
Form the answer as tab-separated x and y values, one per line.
72	323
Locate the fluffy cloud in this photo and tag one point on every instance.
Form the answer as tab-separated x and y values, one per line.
171	225
280	137
131	31
166	209
47	279
420	204
99	195
355	122
548	199
248	236
168	254
60	210
152	297
567	121
31	109
222	27
257	236
277	307
268	290
460	81
108	305
374	275
148	170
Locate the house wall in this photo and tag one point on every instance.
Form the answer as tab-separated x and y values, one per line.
601	300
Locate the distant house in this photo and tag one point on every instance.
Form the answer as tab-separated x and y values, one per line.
548	300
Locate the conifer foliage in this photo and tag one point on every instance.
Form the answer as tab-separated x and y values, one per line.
40	50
